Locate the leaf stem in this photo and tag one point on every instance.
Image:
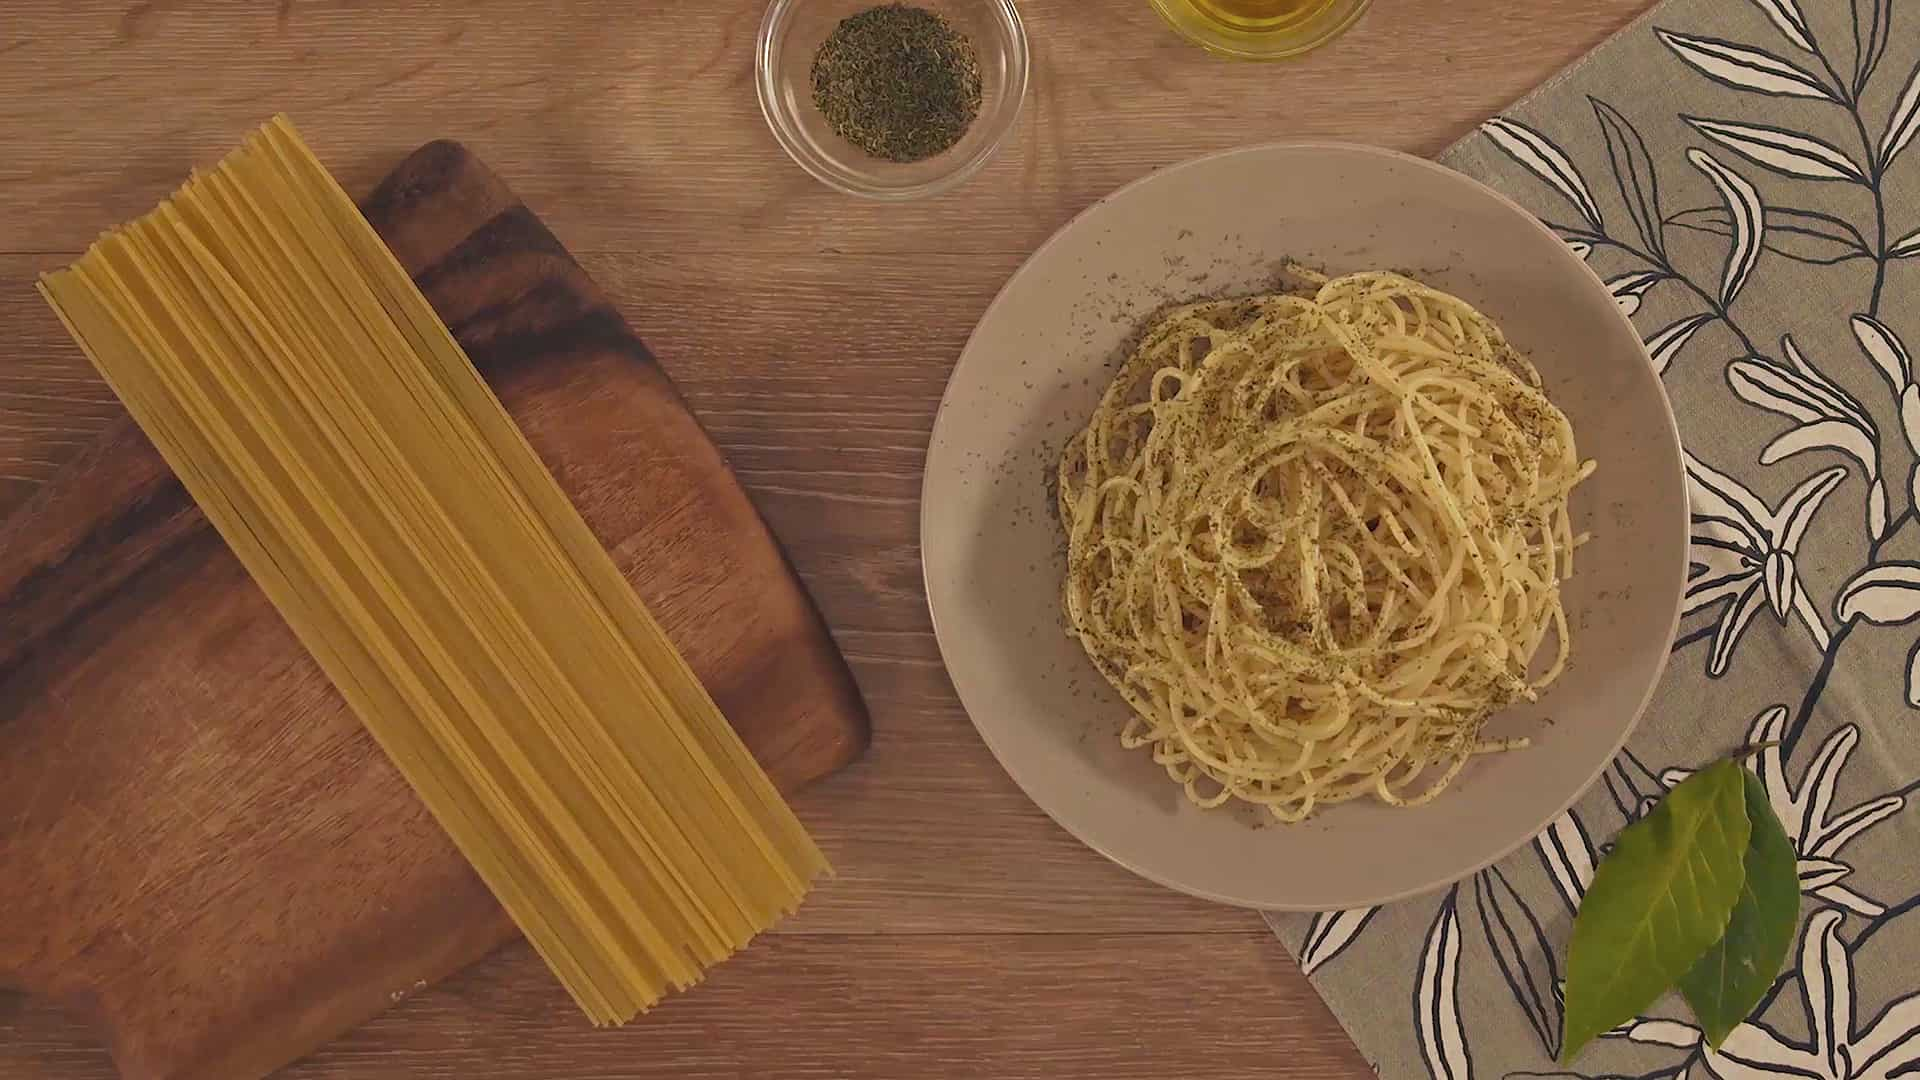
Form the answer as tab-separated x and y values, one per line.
1874	176
1879	249
1875	171
1714	305
1881	920
1712	302
1621	805
1818	685
1840	85
1651	776
1701	634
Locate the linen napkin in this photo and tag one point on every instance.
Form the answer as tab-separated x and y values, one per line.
1741	174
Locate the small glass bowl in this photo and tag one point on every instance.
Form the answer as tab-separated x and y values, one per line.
783	60
1218	35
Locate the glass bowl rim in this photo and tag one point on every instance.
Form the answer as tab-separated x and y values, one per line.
1223	47
827	169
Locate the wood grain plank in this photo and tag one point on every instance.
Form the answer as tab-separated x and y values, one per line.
822	407
812	333
777	362
207	851
51	401
633	124
1230	1006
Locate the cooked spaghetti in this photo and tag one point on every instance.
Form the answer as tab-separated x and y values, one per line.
341	442
1316	538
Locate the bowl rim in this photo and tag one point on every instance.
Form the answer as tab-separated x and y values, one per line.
780	12
1221	47
941	433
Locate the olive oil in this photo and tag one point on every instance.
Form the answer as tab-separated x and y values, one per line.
1260	29
1260	15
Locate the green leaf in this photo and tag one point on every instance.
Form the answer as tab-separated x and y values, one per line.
1735	974
1657	904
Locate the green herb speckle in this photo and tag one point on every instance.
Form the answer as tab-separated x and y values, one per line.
897	81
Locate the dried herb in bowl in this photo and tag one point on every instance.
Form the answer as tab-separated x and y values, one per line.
897	81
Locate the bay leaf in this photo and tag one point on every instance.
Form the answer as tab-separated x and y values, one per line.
1727	982
1658	903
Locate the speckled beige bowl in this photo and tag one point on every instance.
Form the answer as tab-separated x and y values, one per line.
1030	377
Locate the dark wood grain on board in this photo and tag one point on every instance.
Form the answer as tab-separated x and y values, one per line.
206	854
812	333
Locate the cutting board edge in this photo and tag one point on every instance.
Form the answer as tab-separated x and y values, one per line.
850	723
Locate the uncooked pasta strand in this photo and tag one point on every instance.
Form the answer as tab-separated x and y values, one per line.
341	442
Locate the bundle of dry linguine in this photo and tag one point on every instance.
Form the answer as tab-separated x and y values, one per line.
341	442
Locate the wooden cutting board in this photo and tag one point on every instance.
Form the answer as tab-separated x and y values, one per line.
200	847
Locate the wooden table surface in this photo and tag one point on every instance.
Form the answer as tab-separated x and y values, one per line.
966	935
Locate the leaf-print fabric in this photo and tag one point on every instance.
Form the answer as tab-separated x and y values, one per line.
1739	174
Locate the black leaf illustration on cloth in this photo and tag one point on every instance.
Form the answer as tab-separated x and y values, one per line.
1566	852
1519	945
1887	594
1805	236
1747	219
1538	155
1904	122
1787	18
1892	359
1886	1046
1886	350
1627	289
1666	344
1820	833
1895	364
1329	934
1743	553
1870	33
1828	418
1743	67
1752	531
1633	171
1436	997
1839	1047
1789	153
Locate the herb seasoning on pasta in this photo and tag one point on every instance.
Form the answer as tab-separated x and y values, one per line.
1315	540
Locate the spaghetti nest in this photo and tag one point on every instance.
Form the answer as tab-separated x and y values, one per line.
1315	539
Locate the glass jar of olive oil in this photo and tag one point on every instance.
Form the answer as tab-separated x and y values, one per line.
1260	29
